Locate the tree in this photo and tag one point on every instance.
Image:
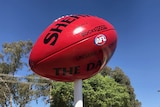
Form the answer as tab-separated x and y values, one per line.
19	90
118	75
98	91
102	91
10	62
62	94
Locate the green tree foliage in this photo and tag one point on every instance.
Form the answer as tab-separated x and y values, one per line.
62	94
118	75
98	91
20	91
10	62
109	88
12	54
102	91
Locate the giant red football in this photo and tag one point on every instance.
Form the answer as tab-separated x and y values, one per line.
73	47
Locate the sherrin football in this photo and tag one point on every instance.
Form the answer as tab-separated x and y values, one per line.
73	47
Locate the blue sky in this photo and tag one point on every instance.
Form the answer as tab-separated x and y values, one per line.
136	21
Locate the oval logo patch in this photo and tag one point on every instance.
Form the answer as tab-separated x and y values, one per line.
100	40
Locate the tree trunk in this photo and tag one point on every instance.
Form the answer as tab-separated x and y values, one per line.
10	100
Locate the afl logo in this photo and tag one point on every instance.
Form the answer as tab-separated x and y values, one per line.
100	40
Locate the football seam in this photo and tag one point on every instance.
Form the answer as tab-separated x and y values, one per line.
75	43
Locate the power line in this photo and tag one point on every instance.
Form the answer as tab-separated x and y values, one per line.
22	77
29	83
17	76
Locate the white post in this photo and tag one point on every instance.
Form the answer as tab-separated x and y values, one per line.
78	98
